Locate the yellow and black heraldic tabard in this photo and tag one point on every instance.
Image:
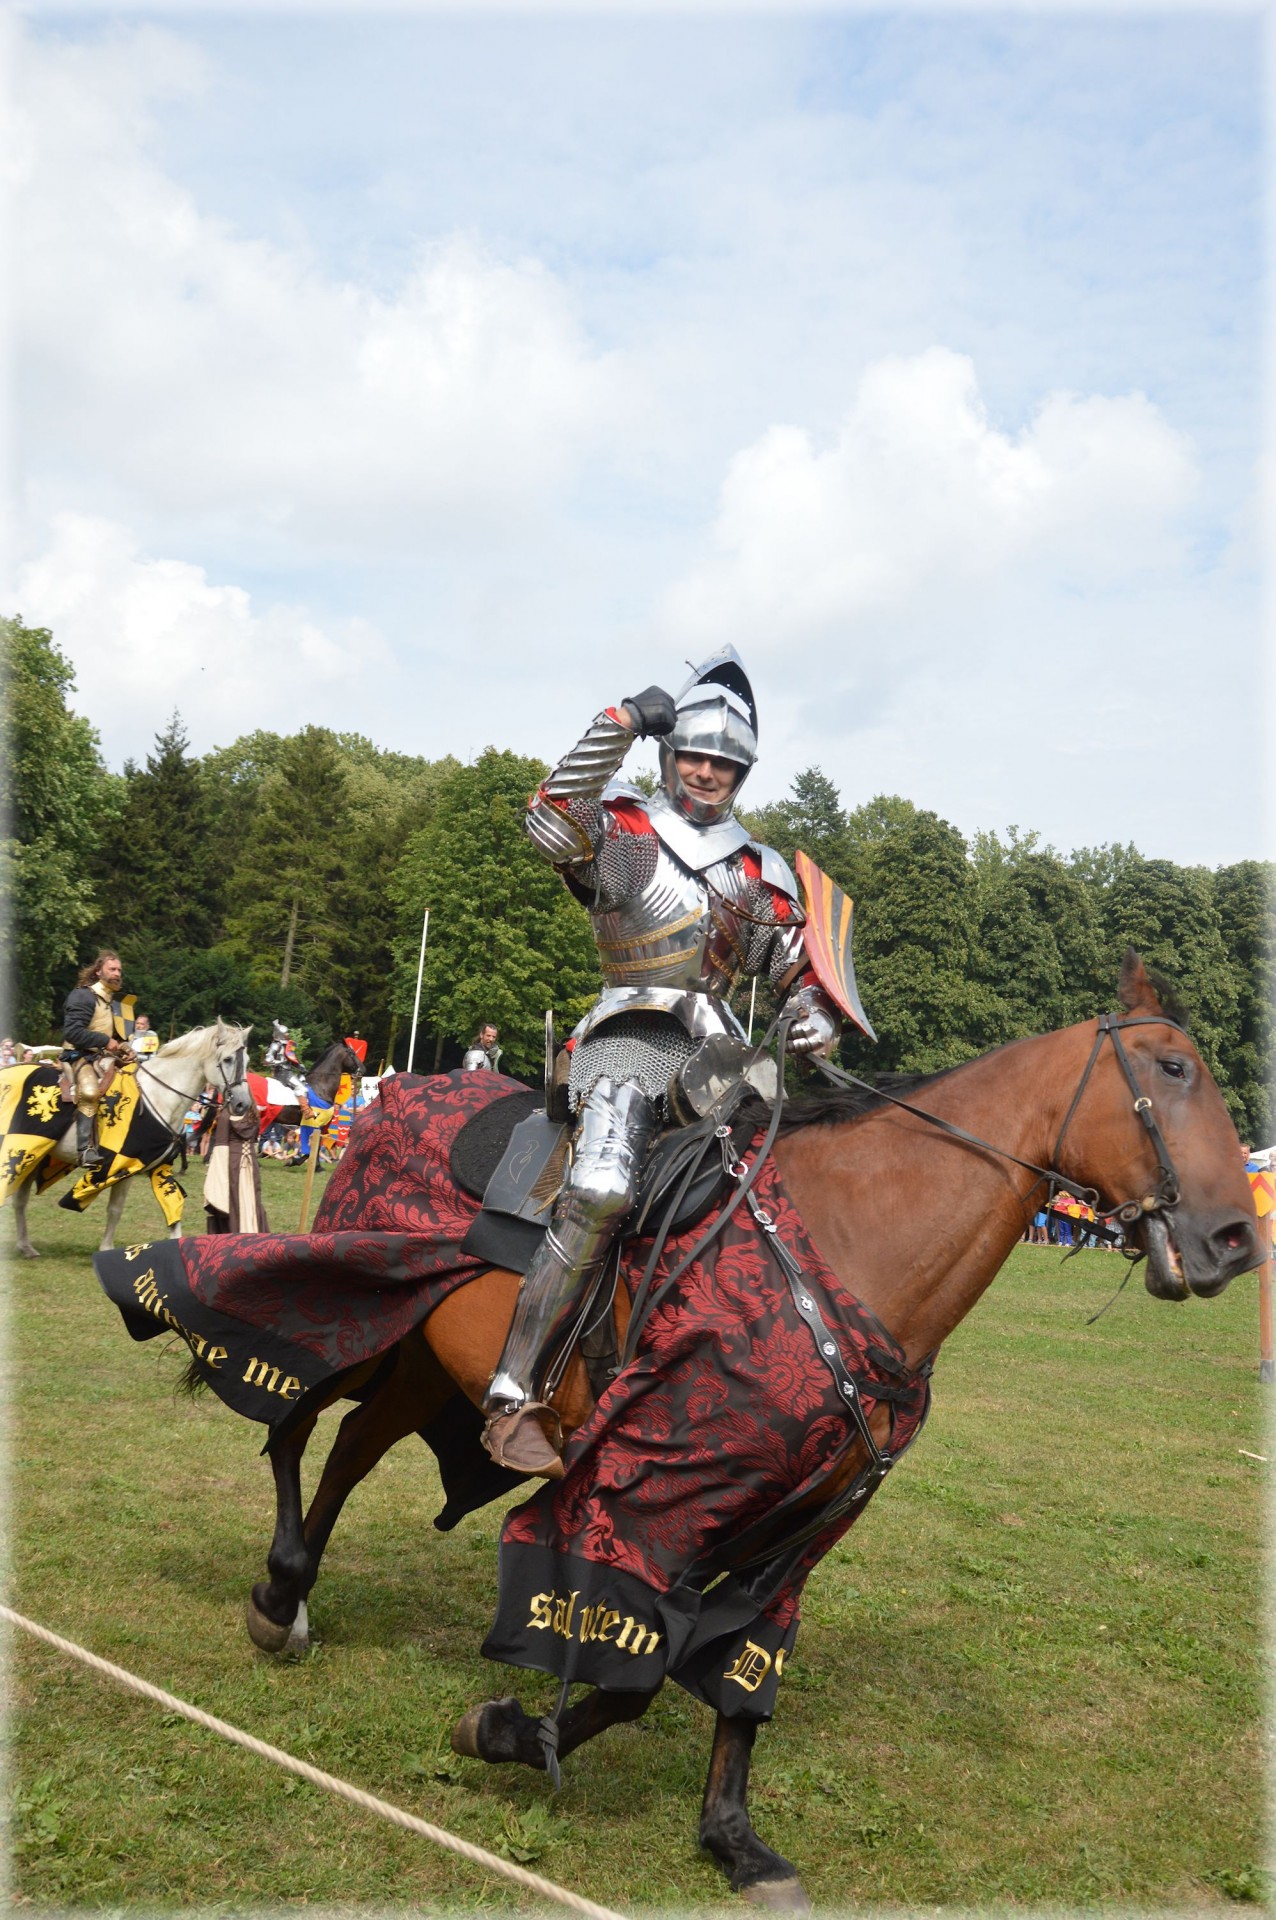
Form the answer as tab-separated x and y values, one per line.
91	1018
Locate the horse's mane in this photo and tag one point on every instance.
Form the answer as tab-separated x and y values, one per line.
196	1041
834	1106
334	1046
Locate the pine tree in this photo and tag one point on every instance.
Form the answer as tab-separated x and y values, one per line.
161	872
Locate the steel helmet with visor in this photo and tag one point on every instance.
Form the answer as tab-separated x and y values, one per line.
717	715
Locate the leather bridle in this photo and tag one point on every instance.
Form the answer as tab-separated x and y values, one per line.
1166	1191
228	1080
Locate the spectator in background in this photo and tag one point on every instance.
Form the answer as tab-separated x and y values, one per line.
8	1052
483	1052
143	1041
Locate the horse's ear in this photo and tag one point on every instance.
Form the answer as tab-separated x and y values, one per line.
247	1030
1144	992
1134	990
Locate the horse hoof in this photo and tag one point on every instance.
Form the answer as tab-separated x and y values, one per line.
263	1632
28	1253
299	1632
467	1734
781	1896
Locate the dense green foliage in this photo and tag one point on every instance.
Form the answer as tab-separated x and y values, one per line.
287	876
506	941
58	800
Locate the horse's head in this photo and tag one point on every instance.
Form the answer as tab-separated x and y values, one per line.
226	1064
1189	1207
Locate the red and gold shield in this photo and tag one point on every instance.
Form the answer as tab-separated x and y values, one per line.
830	918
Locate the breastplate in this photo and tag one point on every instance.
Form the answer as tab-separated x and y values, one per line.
679	931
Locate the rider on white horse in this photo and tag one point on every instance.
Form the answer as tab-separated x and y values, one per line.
97	1024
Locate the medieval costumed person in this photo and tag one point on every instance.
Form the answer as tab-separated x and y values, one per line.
232	1177
97	1023
682	902
281	1056
144	1041
483	1053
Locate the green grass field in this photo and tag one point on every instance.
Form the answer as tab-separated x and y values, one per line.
1032	1676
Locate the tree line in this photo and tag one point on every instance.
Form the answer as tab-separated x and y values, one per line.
285	876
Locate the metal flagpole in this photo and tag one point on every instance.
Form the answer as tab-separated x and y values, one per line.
416	1004
753	1001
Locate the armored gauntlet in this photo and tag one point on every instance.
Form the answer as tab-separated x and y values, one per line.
816	1025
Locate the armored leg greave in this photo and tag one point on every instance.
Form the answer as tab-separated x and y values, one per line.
87	1151
614	1129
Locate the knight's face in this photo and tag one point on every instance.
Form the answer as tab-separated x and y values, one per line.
111	972
707	776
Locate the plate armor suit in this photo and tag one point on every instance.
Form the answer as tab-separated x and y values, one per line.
280	1058
683	902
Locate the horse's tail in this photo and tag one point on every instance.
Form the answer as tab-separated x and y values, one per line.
191	1381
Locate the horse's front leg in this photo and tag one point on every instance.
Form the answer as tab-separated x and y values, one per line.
20	1199
114	1208
499	1730
762	1877
276	1608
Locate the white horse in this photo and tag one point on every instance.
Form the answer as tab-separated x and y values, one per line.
169	1080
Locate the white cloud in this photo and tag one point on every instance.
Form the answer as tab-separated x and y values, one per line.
218	374
146	635
918	497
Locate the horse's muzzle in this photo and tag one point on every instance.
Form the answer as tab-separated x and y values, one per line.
239	1099
1194	1255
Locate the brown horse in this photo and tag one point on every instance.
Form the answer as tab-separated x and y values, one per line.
916	1221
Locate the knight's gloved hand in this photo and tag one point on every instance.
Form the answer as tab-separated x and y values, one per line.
815	1026
652	712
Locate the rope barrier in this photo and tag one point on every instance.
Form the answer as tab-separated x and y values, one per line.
491	1862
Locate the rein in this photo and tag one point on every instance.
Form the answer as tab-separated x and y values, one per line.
204	1099
1164	1194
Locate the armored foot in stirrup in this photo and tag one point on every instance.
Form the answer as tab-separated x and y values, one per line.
517	1439
87	1150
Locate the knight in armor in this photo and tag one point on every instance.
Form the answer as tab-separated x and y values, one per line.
281	1055
483	1051
97	1024
682	902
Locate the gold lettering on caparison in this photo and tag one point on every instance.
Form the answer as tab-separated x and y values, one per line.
256	1372
557	1613
750	1667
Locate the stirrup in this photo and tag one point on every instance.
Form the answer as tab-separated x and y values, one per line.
518	1440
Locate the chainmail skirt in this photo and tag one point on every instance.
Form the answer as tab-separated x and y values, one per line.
642	1048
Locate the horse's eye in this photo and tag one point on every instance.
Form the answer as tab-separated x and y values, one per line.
1173	1069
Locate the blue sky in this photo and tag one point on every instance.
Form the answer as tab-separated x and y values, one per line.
447	377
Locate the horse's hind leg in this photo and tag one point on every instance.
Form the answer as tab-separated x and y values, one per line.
21	1196
114	1208
413	1394
499	1730
764	1878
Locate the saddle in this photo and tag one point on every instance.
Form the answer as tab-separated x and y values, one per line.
510	1156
